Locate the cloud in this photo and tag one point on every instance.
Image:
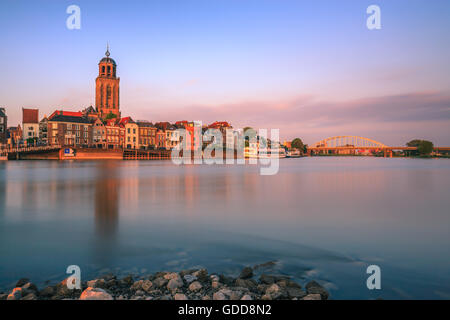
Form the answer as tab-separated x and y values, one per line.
400	116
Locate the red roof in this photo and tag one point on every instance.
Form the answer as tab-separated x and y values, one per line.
126	120
30	115
65	113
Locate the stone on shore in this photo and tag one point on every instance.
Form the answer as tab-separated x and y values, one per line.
16	294
219	296
180	296
313	287
95	294
314	296
195	286
174	284
246	273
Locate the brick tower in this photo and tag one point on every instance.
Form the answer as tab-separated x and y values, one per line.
107	87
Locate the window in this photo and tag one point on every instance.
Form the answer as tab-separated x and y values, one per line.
129	130
134	131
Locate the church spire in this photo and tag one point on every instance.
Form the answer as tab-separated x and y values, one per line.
107	50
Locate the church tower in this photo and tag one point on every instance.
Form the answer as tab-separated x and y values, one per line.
107	87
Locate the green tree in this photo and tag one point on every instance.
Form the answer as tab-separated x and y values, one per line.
110	115
297	143
424	147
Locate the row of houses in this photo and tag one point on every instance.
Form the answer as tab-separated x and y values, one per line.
87	129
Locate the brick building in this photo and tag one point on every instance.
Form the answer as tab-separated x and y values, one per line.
69	130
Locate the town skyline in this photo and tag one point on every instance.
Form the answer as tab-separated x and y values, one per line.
293	82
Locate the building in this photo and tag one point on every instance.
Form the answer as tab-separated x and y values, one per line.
160	139
131	133
43	131
3	127
228	134
30	125
107	88
115	134
147	135
14	136
172	137
98	133
195	133
69	130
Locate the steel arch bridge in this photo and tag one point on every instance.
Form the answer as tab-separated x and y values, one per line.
348	141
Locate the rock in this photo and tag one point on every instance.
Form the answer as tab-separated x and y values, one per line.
215	277
47	292
22	282
266	297
226	280
207	297
264	278
314	296
294	292
189	278
128	280
268	264
219	296
16	294
174	284
3	296
246	273
172	275
95	294
273	289
187	272
215	284
29	288
180	296
30	296
195	286
202	275
160	282
236	295
246	283
97	283
144	285
246	297
313	287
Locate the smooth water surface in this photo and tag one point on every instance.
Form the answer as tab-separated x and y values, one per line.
319	218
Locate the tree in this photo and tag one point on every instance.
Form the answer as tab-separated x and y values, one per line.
297	143
424	147
110	115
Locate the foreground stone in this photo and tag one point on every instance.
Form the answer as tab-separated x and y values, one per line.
194	284
95	294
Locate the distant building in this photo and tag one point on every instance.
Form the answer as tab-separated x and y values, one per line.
14	136
147	135
30	125
172	137
98	133
131	133
115	134
160	139
43	131
69	130
3	127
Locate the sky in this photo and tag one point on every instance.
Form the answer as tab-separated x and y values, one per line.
309	68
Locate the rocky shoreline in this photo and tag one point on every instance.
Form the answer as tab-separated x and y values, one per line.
194	284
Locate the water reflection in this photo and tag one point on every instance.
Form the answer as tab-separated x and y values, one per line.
106	198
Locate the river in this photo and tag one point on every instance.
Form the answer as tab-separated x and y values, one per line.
322	218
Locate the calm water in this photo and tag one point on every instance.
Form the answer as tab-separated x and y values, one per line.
319	218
